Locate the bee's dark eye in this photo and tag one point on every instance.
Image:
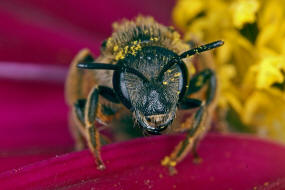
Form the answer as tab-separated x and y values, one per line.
180	71
120	87
181	77
176	73
124	90
119	83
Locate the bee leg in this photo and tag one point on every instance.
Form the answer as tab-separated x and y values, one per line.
182	149
199	80
196	158
77	124
76	133
199	125
90	114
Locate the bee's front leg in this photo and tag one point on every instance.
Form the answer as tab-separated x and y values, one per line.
199	125
189	143
90	114
92	134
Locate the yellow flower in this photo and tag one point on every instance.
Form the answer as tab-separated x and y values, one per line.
265	110
269	71
186	10
251	64
244	11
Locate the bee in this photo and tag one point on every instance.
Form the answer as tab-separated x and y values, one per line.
144	70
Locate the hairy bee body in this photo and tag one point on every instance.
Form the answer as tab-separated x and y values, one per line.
143	72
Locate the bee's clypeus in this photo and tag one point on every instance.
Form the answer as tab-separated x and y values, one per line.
143	67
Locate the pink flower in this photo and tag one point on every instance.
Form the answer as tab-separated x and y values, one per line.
229	162
37	42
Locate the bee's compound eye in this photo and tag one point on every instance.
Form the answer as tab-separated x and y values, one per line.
182	75
181	78
124	90
120	87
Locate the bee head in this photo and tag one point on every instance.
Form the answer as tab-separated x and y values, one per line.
152	92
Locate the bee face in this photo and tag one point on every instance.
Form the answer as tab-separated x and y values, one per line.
153	98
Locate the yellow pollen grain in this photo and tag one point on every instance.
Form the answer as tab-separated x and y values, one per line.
164	82
165	161
115	48
133	52
139	46
199	81
177	74
108	44
172	163
126	49
120	55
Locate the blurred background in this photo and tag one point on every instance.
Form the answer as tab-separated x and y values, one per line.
38	39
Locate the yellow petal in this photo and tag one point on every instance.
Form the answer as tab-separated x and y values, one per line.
244	11
269	72
185	10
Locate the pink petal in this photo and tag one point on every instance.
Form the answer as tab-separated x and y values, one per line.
54	31
26	109
33	122
94	16
229	162
27	41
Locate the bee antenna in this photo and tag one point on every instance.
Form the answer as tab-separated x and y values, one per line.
88	65
190	52
201	49
166	67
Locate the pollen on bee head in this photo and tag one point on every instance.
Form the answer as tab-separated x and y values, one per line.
177	74
155	39
145	31
115	48
126	49
109	42
120	55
